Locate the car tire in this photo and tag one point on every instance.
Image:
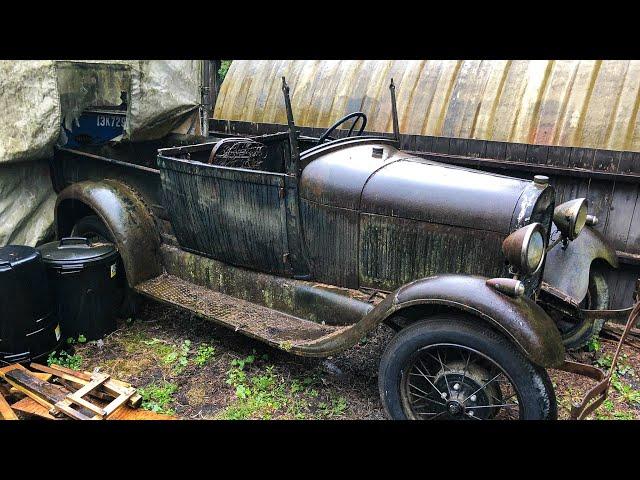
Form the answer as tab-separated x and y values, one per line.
536	399
93	228
598	298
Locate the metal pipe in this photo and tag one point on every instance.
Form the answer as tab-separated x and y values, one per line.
394	111
294	167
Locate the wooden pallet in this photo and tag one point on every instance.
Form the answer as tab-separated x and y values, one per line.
30	407
74	378
76	398
98	380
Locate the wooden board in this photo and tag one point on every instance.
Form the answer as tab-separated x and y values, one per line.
31	407
23	380
6	413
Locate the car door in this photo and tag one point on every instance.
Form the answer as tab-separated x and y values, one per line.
240	216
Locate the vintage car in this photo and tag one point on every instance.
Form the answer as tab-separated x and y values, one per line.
308	244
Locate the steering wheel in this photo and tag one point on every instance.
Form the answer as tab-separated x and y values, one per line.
357	115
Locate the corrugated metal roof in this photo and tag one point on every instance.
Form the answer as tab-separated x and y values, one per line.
587	103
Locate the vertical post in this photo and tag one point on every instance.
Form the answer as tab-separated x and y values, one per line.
394	112
205	91
294	166
215	82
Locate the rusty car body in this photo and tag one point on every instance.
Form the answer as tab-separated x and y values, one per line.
308	244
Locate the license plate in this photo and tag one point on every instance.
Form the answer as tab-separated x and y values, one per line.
110	120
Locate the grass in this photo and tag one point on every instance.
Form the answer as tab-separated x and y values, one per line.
623	371
261	393
224	380
204	354
172	358
158	397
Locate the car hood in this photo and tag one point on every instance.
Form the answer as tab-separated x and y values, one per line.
394	183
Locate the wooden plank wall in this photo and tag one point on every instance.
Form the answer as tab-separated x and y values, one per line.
609	179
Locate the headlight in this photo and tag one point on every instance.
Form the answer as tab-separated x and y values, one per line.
535	251
525	248
571	217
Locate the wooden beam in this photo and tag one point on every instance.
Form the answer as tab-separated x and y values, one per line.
5	410
46	394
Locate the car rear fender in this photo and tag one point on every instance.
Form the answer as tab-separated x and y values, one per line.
126	216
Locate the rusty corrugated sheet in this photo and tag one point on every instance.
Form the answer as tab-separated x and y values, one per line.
586	103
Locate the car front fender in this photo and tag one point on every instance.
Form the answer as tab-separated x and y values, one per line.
519	319
126	216
567	270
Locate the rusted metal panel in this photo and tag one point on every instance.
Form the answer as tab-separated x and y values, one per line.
222	292
332	239
394	251
337	177
234	215
588	246
310	300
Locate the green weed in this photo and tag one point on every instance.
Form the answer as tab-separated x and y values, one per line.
158	396
204	354
64	359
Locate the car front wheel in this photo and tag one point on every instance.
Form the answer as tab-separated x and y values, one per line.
577	333
455	368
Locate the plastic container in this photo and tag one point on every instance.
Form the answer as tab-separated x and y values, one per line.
28	324
83	276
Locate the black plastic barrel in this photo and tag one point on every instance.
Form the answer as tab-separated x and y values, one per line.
28	324
84	279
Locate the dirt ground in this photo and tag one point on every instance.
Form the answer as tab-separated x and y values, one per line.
196	370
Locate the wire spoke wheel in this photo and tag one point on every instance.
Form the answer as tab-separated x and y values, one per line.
447	381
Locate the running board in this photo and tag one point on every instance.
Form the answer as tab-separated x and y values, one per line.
287	332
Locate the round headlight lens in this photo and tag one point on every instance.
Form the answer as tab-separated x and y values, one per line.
581	220
525	249
535	251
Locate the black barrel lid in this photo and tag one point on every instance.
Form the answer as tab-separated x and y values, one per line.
75	250
12	255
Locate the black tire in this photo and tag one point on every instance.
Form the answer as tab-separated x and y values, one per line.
578	336
93	228
536	398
